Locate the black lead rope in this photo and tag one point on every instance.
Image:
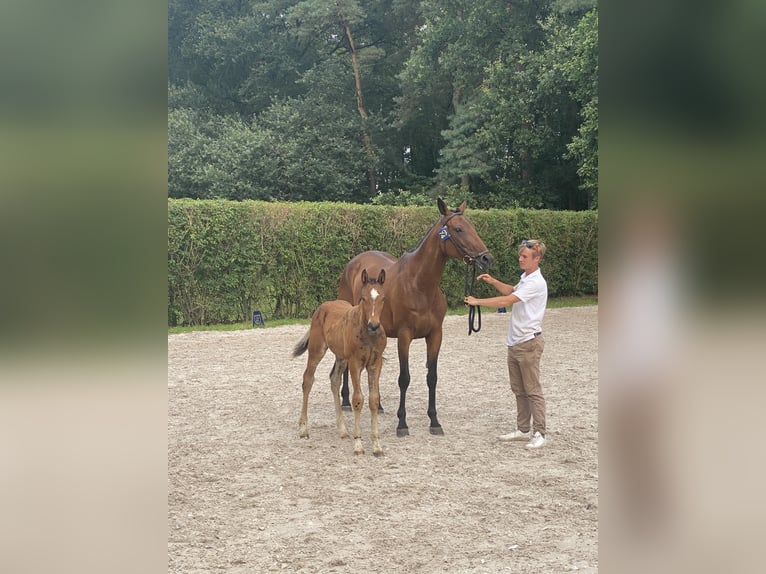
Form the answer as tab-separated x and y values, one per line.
474	311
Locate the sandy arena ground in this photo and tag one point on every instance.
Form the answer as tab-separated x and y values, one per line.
247	495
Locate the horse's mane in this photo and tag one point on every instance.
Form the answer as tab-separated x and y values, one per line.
422	239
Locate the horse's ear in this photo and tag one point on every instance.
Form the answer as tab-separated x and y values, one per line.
365	277
461	209
382	276
442	206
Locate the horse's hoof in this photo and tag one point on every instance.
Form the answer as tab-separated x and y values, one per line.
378	453
403	432
436	430
346	408
380	409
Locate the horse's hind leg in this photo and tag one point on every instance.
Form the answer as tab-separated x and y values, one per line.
308	382
433	344
317	347
335	376
404	383
345	403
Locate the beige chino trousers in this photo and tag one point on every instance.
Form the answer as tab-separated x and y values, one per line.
524	373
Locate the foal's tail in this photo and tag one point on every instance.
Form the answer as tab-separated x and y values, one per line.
302	345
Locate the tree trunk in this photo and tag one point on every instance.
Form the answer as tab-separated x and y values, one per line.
366	139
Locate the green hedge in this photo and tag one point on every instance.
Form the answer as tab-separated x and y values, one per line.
227	258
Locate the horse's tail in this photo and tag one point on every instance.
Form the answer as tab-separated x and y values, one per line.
302	345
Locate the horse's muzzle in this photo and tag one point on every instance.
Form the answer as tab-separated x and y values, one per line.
484	261
373	327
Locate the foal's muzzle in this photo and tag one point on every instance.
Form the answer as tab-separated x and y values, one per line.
373	327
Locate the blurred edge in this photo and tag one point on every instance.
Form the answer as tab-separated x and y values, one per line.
83	440
82	347
682	180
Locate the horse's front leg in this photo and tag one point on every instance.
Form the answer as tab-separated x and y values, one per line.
373	380
335	375
433	344
404	382
357	400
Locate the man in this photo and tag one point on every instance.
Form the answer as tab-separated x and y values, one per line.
528	300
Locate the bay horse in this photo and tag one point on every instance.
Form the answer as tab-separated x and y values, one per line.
416	304
357	339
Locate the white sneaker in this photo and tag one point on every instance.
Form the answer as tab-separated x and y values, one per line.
515	435
536	441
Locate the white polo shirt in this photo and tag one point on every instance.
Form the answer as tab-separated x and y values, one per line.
527	314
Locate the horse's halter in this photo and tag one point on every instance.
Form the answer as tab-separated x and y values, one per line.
444	234
474	312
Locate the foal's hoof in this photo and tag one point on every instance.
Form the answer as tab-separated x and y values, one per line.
436	431
380	409
378	453
403	432
346	408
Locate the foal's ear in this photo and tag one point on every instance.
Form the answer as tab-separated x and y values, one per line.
365	277
442	206
382	276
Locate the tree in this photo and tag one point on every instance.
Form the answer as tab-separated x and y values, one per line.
460	40
531	104
582	71
384	100
330	22
239	53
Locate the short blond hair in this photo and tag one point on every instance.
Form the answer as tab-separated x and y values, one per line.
534	245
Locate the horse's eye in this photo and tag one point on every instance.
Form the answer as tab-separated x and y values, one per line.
459	229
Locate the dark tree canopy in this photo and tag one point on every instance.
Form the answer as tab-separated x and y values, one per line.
391	101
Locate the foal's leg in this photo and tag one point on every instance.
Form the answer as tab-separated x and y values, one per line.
338	368
346	404
373	379
433	344
316	353
357	400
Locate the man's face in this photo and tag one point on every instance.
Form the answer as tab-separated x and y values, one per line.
528	259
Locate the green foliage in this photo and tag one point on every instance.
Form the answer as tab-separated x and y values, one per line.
402	197
212	156
462	154
499	97
216	156
582	72
227	258
539	114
